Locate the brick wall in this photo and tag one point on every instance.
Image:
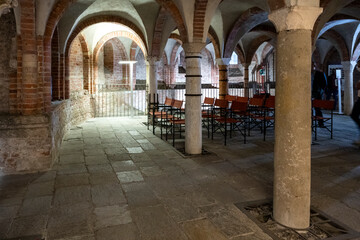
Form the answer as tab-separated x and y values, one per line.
113	71
8	56
76	73
108	59
32	143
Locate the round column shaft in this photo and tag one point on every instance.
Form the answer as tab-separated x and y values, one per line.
246	80
292	150
348	86
193	131
151	77
223	64
223	81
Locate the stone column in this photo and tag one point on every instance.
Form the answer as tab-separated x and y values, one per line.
292	151
246	79
223	64
193	132
348	67
151	80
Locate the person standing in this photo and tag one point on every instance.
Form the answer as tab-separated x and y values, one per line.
355	114
318	88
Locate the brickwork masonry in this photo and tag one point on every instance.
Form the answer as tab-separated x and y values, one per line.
32	143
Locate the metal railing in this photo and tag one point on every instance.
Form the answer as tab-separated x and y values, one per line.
117	100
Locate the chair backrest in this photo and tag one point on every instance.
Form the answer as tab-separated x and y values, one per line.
237	106
242	99
209	101
177	104
270	102
230	98
324	104
221	103
258	96
257	102
168	101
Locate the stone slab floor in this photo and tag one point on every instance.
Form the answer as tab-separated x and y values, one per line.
116	180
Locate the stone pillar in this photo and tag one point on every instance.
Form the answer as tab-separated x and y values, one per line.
223	64
246	79
30	96
348	86
292	151
193	132
151	80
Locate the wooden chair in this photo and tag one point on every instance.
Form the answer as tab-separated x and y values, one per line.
159	110
230	98
206	113
327	121
269	114
233	119
173	113
256	114
219	110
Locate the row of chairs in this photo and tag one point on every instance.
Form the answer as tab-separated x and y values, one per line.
238	113
169	117
230	115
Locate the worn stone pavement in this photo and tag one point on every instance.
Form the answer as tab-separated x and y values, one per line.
116	180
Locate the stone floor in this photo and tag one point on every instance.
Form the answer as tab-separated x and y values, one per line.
116	180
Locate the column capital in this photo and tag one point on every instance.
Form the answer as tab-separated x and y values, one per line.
295	17
349	65
223	61
152	60
5	5
193	48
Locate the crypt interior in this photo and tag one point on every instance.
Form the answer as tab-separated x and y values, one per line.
84	155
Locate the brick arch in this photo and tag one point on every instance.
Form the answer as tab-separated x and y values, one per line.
86	61
133	48
176	37
266	50
137	37
109	57
176	15
166	69
173	53
240	54
165	59
110	37
339	42
119	54
212	64
246	21
54	18
215	41
158	32
116	34
254	47
199	20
